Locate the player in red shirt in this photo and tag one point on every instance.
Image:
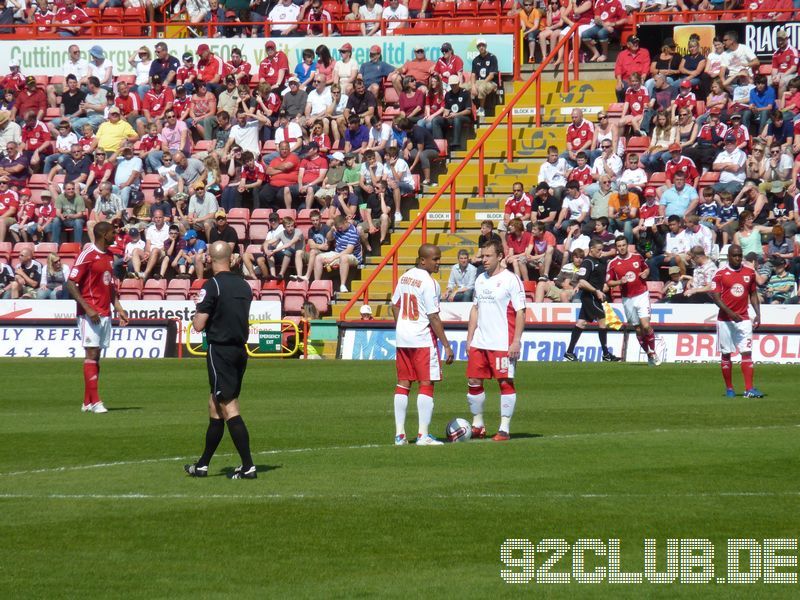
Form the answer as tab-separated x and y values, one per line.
731	289
91	284
629	272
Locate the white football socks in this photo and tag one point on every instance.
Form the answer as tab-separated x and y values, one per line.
507	404
400	408
476	407
425	409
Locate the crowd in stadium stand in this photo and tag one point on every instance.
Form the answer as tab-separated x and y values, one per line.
185	143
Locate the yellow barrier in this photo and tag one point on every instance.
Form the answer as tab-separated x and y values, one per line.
273	339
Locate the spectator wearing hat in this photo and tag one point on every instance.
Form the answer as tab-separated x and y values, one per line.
190	255
115	132
15	80
30	99
483	78
71	213
686	100
284	19
375	70
14	165
128	174
345	70
141	61
10	131
101	67
369	14
784	62
294	101
187	72
730	163
632	59
275	67
156	101
449	64
165	66
395	14
70	20
133	254
457	114
210	69
678	162
739	130
222	231
200	212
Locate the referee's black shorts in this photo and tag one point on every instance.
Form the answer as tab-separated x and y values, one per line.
591	308
226	367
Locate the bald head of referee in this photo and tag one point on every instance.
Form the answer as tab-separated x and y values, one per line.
220	253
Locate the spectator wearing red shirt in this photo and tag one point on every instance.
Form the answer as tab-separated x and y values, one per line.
14	81
518	244
685	99
36	139
637	101
609	17
310	176
580	135
448	63
545	254
157	99
274	68
43	18
583	172
518	206
100	171
632	59
238	67
253	176
128	104
210	69
186	74
784	62
30	99
9	205
282	172
741	133
69	19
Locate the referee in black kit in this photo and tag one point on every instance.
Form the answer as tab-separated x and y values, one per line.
223	310
592	280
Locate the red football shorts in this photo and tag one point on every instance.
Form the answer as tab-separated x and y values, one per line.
418	364
489	364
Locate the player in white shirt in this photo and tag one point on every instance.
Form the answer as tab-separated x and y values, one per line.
496	322
415	305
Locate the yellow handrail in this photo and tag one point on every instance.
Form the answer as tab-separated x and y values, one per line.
478	148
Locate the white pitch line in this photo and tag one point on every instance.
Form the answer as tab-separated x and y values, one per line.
543	438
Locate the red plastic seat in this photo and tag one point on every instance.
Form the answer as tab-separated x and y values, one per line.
204	145
177	289
130	289
239	215
255	287
69	250
5	250
154	289
20	246
260	216
44	249
321	286
151	180
287	212
258	232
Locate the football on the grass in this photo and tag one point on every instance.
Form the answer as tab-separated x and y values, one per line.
458	430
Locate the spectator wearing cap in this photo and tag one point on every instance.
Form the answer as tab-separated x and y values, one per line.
677	162
165	66
128	174
200	212
187	72
9	130
294	101
448	64
71	213
457	114
370	16
544	206
730	163
14	165
375	70
210	68
310	176
101	67
483	78
623	211
141	61
156	101
283	171
395	14
362	103
284	18
681	199
30	99
70	19
112	134
274	68
632	59
737	57
784	62
15	80
345	70
740	132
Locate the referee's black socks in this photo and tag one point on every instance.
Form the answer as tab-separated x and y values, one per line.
603	335
573	340
241	439
214	433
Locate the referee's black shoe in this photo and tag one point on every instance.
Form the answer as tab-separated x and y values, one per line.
241	473
608	357
196	470
570	356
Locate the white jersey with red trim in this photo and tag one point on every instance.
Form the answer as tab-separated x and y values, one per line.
416	296
498	299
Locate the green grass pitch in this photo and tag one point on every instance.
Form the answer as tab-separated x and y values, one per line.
98	506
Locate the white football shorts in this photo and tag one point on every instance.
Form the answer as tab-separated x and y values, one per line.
734	336
95	335
636	308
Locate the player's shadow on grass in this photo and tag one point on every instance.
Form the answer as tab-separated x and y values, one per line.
521	436
121	408
262	470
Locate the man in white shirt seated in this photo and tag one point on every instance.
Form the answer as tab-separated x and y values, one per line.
553	172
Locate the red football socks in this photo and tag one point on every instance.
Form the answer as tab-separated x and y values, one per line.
91	375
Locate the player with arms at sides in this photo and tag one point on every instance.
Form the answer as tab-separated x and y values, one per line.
733	288
415	305
629	271
494	333
592	274
91	284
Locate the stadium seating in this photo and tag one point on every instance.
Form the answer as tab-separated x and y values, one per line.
130	289
177	289
154	289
